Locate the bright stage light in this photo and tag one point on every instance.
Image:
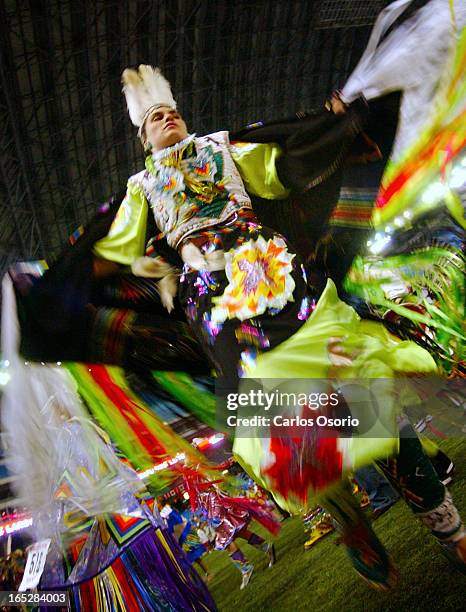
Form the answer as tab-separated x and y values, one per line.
458	177
378	244
434	193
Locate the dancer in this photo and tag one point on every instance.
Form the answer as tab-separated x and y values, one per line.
416	261
186	534
207	536
86	500
318	524
231	517
414	266
243	290
239	279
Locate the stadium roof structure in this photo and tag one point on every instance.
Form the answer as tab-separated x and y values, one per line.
66	143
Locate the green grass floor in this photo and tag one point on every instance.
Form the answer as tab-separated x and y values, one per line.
322	578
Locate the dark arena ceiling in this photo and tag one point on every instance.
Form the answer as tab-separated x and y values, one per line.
66	141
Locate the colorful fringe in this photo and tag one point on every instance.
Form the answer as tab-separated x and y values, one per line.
417	282
133	426
354	208
110	334
431	308
193	394
431	155
149	574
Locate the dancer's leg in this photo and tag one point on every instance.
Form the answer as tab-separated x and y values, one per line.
258	541
368	556
241	563
414	476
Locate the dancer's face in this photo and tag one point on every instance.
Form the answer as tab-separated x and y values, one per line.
163	128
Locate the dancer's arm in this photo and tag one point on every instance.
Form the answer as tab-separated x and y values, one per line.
127	236
256	163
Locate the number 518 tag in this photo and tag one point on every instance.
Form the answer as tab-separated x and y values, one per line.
35	563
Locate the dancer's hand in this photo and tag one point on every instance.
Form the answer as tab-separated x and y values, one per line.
337	105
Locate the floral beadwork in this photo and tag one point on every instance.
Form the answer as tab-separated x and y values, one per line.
203	167
192	185
259	274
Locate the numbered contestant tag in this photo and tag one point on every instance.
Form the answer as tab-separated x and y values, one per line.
35	563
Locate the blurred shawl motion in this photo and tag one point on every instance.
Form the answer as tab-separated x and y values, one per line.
79	430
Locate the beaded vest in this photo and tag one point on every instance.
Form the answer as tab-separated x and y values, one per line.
192	185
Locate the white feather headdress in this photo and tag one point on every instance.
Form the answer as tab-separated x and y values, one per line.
145	89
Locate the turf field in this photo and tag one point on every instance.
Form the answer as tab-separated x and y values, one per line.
322	579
